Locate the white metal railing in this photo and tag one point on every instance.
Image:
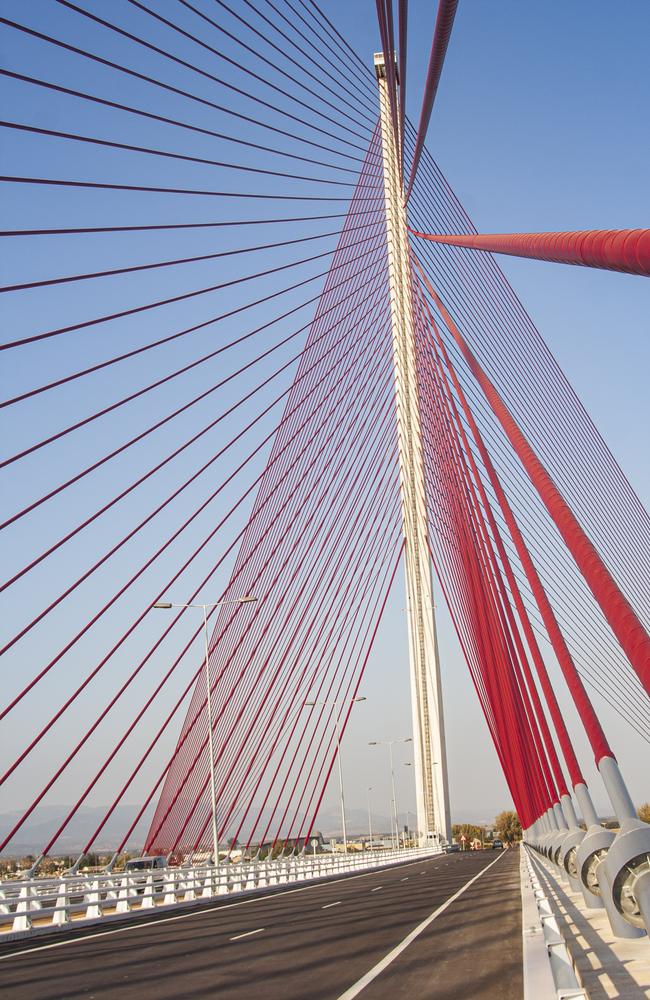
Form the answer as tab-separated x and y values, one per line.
43	904
557	977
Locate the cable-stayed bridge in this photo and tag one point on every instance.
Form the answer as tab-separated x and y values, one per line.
260	366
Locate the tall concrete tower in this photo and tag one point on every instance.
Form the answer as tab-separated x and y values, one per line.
430	757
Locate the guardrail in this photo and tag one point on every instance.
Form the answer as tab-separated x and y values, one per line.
45	904
555	975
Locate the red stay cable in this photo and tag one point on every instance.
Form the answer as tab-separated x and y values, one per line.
625	250
627	628
592	725
574	769
441	36
506	622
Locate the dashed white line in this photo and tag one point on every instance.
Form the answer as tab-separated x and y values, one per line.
377	888
247	934
327	905
376	970
404	879
192	912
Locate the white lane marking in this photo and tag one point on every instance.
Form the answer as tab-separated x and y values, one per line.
238	937
377	969
327	905
404	879
377	888
142	925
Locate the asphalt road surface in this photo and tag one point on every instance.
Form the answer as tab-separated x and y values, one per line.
417	930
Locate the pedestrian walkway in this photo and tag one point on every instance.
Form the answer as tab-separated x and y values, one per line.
609	967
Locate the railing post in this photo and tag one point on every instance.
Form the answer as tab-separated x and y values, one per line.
61	914
93	910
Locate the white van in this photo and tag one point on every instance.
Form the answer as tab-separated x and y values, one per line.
146	864
139	868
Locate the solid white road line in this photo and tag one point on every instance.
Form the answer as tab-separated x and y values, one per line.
238	937
377	969
140	925
327	905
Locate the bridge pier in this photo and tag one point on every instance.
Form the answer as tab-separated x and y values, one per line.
429	753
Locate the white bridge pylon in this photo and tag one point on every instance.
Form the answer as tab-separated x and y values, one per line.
430	758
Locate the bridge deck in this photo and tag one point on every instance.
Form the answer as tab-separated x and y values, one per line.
319	941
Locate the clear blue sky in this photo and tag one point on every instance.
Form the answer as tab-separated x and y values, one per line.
540	124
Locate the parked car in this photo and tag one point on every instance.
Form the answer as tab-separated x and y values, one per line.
451	848
497	845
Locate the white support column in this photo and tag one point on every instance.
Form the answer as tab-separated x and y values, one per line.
430	758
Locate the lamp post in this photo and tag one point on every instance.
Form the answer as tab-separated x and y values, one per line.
166	606
335	705
409	831
368	791
389	744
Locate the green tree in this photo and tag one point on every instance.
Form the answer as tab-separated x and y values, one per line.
468	830
508	826
644	812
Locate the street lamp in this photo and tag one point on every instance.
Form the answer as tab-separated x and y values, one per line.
166	606
335	705
409	832
368	791
389	744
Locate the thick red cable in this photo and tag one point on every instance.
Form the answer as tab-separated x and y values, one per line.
629	631
541	530
625	250
516	654
590	721
565	410
441	35
574	770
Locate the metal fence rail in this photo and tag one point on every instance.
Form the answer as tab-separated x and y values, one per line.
556	978
43	904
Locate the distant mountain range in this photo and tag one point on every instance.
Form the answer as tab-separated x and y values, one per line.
43	823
